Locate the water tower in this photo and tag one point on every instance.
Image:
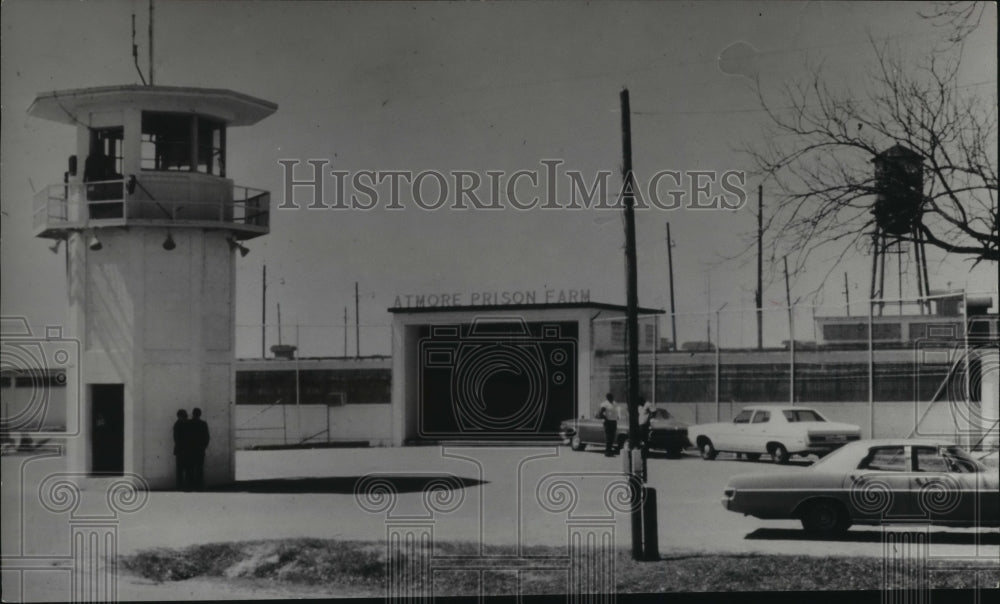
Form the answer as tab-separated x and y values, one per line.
151	225
898	210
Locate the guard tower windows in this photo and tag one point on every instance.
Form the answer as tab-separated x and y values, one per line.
102	171
181	142
107	151
211	146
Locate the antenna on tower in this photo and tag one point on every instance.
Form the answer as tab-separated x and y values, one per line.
150	42
135	52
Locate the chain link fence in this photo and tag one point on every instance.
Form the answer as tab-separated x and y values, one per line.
916	367
313	341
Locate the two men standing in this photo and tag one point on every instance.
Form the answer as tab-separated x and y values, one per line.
190	441
608	412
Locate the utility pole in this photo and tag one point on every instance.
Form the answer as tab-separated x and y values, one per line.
708	316
357	324
632	330
263	314
279	323
760	267
345	332
673	311
847	295
791	337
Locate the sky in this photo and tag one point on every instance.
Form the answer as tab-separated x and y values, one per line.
477	87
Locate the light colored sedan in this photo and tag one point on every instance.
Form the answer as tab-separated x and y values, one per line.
777	430
875	482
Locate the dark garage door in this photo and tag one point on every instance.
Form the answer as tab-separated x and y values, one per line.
496	380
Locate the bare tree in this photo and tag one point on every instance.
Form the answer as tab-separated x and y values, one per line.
962	18
821	139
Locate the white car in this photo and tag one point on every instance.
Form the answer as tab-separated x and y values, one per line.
779	431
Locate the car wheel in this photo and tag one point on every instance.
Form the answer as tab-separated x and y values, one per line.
780	454
707	450
825	517
753	456
576	444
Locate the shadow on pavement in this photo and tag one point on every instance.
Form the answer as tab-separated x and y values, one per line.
402	483
663	455
875	536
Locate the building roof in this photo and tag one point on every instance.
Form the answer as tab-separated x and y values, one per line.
72	106
517	307
898	150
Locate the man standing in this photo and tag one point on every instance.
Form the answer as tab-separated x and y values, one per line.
609	413
182	448
646	412
199	442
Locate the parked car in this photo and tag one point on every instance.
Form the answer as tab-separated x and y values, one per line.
875	482
667	434
779	431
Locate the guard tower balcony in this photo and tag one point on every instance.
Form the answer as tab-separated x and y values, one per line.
152	156
154	199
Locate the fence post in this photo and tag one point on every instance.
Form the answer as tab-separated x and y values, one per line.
718	361
656	341
791	354
871	373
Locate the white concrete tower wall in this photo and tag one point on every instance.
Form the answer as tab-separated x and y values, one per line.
160	323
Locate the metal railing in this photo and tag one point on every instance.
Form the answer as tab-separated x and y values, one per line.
77	205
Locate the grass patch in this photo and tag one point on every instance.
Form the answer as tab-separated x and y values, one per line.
359	568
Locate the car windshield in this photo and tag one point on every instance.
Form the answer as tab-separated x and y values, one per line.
802	415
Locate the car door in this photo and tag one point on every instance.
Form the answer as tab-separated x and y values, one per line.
945	484
757	432
591	430
878	490
733	435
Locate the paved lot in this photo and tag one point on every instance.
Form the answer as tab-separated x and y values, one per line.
506	495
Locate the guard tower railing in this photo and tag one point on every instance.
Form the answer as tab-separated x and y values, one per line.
151	201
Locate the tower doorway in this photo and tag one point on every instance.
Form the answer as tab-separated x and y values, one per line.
107	425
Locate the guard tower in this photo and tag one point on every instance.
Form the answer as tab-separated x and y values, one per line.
151	225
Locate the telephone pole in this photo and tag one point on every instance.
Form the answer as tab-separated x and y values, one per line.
760	267
263	314
643	512
791	338
847	295
357	324
673	312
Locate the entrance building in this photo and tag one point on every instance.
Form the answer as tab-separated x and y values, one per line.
493	373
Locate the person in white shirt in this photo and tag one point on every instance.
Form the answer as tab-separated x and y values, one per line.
609	413
646	412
